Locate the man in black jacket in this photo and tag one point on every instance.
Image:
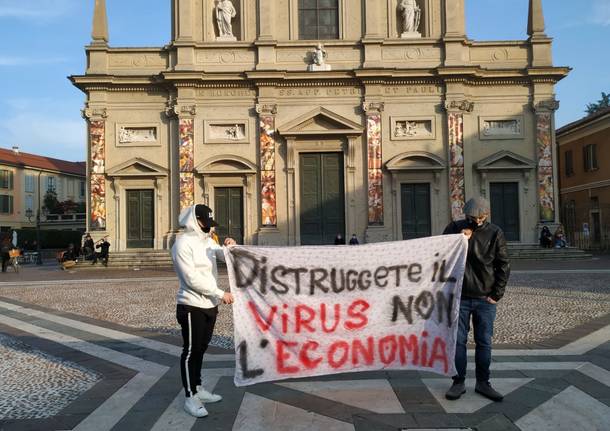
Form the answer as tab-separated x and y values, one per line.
485	278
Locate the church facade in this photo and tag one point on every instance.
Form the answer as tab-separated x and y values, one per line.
299	120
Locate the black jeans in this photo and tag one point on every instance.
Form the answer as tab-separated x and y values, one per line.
197	329
5	260
483	315
100	256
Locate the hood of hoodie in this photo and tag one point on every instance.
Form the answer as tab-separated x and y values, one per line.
188	220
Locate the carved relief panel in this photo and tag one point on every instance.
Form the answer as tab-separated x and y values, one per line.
412	128
227	132
137	135
501	128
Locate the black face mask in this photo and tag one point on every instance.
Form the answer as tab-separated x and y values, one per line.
472	223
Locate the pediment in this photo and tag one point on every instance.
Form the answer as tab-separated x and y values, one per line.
137	167
416	161
320	121
226	164
505	160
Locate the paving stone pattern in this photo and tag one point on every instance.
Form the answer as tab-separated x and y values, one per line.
36	385
560	382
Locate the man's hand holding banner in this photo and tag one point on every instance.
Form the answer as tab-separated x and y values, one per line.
310	311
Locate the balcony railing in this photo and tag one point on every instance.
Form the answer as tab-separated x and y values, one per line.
63	218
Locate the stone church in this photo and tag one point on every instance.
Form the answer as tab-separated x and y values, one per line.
297	120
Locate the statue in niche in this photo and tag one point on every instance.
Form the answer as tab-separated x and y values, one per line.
225	12
318	56
411	18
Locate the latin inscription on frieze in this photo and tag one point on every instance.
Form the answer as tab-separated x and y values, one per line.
226	92
408	90
319	92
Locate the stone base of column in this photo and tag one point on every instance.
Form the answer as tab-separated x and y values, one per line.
169	239
270	236
377	234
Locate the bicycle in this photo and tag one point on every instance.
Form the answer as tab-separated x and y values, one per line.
14	256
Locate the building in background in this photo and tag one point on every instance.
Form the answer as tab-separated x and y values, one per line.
296	121
26	178
584	158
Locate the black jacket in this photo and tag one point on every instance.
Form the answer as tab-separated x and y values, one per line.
487	264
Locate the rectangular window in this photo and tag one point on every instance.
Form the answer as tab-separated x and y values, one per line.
71	188
595	202
318	19
82	189
590	157
29	183
51	184
569	163
6	179
29	202
6	204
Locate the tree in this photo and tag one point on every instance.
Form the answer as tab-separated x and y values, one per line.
602	103
51	204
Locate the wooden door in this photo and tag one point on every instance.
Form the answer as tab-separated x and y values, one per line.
322	202
416	213
140	219
228	213
505	209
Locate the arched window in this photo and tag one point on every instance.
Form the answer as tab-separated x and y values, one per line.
318	19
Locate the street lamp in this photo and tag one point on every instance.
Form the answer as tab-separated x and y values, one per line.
38	250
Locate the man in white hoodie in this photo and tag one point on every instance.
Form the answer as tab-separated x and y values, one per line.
194	254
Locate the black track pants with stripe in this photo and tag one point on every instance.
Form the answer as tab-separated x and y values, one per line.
197	328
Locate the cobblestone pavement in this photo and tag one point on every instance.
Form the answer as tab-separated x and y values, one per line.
36	385
552	361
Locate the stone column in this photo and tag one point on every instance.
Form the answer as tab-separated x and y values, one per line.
547	191
455	127
267	143
97	167
373	112
186	158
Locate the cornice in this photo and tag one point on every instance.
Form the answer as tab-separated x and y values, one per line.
468	76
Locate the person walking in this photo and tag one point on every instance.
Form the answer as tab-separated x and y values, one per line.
485	278
5	248
194	255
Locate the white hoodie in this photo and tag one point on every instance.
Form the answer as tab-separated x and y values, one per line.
194	254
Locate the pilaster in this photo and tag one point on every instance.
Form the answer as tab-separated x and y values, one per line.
456	52
374	33
186	113
373	112
455	128
548	194
96	119
267	142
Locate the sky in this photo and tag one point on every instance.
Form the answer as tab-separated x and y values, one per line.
43	43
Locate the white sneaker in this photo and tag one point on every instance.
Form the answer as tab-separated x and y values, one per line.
207	397
193	406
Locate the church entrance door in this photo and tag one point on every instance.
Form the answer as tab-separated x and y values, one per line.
322	197
140	219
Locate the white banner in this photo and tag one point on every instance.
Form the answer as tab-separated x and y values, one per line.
310	311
